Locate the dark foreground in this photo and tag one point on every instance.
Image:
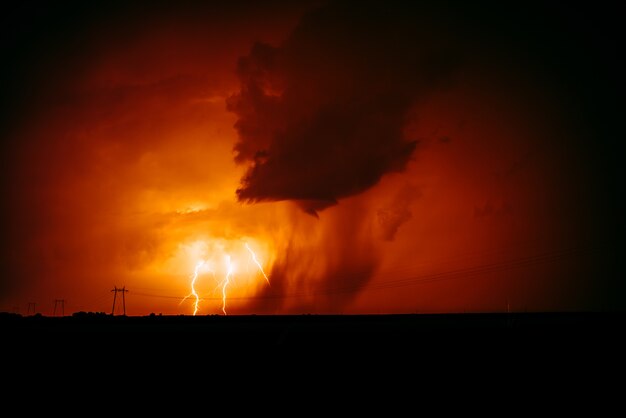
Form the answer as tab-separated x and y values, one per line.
328	328
568	342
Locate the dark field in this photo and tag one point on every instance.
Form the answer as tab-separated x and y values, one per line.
337	328
509	344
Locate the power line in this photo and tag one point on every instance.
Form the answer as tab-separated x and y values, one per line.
462	273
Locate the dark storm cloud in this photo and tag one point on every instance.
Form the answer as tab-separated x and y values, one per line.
321	117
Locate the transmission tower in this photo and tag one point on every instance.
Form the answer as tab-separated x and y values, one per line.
123	292
34	306
61	304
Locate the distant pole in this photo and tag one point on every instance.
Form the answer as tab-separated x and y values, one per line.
61	304
121	290
34	305
124	299
114	297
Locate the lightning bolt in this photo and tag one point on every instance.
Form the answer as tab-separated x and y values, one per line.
257	263
230	268
193	293
226	281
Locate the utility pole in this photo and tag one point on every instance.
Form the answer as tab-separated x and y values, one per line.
122	290
34	305
61	304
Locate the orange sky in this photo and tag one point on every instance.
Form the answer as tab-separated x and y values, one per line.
120	170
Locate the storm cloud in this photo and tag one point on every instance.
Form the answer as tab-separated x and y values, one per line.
455	135
321	117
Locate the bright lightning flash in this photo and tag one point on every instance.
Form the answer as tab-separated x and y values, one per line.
229	273
230	268
257	263
193	293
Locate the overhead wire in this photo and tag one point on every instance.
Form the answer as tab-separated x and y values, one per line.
456	274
